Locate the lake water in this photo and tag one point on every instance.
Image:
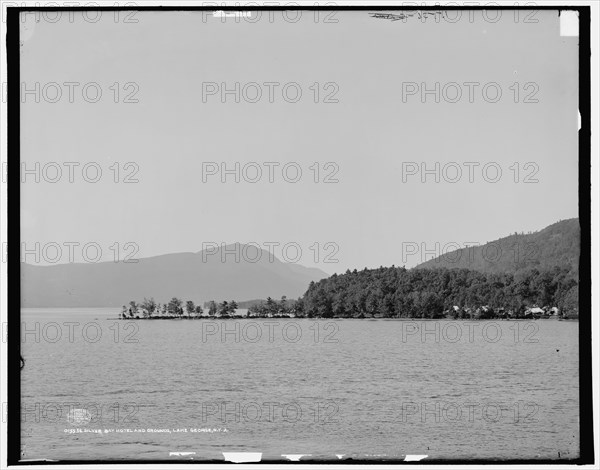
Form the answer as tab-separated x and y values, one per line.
326	388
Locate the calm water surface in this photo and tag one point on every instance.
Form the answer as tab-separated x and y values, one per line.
357	388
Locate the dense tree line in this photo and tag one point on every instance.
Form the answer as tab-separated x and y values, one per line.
433	293
400	293
176	308
275	308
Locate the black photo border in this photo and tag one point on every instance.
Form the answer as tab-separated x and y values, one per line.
586	429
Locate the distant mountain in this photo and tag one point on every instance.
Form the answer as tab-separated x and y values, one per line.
200	277
556	245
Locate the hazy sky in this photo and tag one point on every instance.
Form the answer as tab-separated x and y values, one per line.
369	133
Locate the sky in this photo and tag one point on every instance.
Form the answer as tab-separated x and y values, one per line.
369	134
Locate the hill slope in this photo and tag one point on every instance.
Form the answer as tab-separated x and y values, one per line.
500	279
556	245
191	276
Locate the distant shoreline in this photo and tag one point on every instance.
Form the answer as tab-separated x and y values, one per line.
338	318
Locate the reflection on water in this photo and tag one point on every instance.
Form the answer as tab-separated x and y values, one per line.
98	388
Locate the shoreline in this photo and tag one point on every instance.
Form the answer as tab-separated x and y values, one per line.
341	318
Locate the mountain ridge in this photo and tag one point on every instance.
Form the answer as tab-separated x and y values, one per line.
557	244
188	275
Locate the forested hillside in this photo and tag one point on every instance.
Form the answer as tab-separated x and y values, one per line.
511	274
556	245
428	293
